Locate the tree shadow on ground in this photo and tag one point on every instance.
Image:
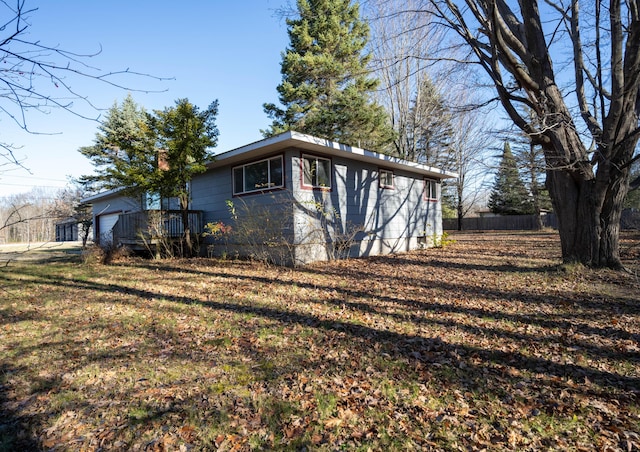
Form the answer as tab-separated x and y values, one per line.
486	371
406	344
15	429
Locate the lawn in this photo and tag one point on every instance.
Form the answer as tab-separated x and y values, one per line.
487	343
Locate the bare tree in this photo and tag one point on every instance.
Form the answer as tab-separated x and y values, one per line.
68	206
428	102
400	47
468	157
27	217
588	129
32	71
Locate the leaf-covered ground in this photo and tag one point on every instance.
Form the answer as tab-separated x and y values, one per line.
484	344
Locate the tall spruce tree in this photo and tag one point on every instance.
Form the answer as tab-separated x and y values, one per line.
325	90
430	127
632	200
123	152
509	195
530	158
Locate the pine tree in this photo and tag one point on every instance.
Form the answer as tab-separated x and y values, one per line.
325	89
123	153
632	200
509	195
184	134
430	129
141	153
530	158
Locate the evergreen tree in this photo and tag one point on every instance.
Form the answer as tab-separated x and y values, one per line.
141	153
123	153
632	200
325	90
184	136
530	158
509	195
429	131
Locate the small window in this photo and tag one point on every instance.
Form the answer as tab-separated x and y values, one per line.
152	201
258	176
386	179
430	190
316	172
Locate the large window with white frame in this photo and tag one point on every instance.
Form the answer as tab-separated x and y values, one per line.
316	172
262	175
431	190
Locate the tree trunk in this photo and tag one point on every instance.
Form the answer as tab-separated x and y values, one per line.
535	190
613	203
588	203
589	215
184	212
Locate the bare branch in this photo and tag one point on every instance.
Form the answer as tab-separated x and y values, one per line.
579	66
37	77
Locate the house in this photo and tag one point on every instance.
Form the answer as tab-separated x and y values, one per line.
297	198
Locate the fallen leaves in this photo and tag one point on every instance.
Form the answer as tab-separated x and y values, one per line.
480	345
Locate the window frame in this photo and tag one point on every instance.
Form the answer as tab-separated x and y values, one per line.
305	156
428	183
269	187
381	183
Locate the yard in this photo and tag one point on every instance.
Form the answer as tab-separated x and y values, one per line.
485	344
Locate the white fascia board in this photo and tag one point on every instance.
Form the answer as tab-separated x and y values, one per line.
310	143
104	194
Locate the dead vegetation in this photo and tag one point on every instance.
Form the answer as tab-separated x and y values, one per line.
484	344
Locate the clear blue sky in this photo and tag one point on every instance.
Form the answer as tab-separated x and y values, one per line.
222	50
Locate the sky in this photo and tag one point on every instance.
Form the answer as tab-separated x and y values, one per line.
215	49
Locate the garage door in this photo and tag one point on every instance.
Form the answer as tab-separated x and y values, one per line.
105	227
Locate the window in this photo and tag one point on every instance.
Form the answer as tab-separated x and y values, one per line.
431	190
316	172
152	201
257	176
386	179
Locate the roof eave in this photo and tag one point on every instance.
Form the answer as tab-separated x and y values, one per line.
320	145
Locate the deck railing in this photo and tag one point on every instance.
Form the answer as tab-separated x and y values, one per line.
154	224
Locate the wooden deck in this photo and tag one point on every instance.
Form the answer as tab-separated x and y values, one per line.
139	230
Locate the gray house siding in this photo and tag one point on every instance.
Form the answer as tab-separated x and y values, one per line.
392	219
211	191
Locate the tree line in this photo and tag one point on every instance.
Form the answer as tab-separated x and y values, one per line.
32	217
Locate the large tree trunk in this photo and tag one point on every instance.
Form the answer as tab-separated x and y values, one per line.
589	212
588	204
578	223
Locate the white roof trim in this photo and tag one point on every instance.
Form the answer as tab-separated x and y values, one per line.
103	194
324	146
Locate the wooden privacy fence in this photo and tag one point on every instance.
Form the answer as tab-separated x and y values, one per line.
630	220
507	222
